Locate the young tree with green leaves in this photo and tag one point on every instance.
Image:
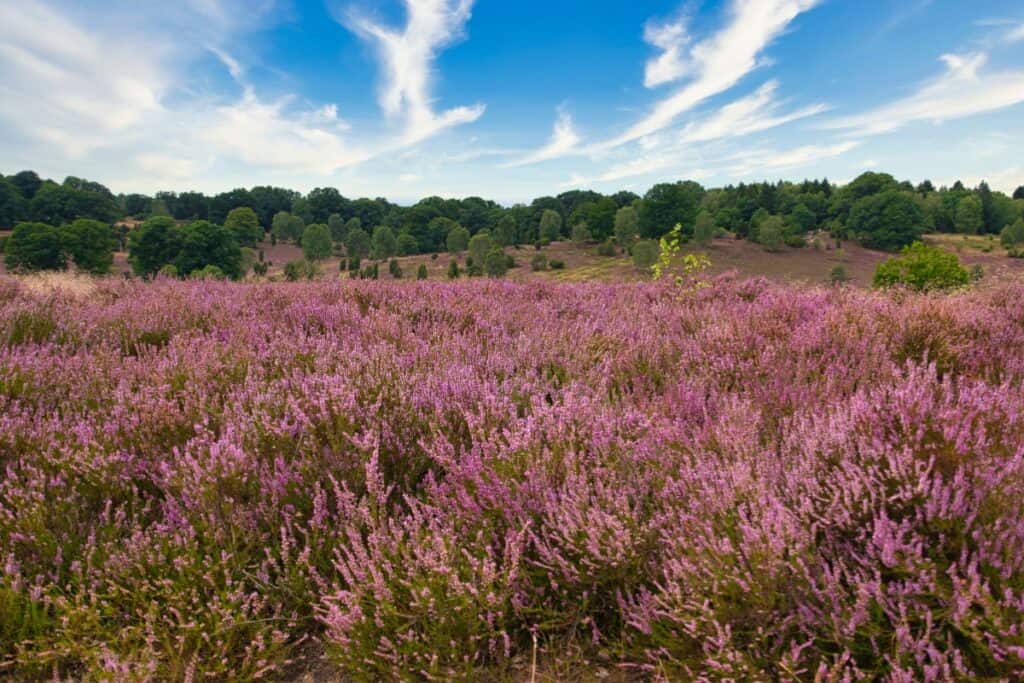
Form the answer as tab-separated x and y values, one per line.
357	243
970	217
550	226
922	268
479	246
287	227
627	226
205	244
383	242
244	224
1013	235
316	242
90	244
496	263
645	254
153	245
457	239
35	246
704	229
406	244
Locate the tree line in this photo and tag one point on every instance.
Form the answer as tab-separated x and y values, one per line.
184	229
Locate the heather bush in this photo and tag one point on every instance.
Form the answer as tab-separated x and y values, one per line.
205	480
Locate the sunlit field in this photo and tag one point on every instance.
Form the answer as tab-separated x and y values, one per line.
418	480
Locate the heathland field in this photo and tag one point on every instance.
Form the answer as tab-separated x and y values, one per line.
494	480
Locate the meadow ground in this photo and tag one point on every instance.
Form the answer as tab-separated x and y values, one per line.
582	263
358	480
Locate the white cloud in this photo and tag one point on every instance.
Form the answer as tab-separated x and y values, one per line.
719	62
671	38
564	139
963	90
64	86
760	161
756	112
1006	180
263	134
751	114
1015	34
407	58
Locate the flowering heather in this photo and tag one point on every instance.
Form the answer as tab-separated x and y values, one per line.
748	481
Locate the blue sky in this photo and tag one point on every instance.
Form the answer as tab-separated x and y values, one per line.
509	100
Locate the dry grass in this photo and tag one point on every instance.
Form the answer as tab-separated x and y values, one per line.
77	284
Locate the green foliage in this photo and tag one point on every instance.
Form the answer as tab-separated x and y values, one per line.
581	233
457	239
550	225
244	224
480	245
607	248
57	204
287	227
395	269
1013	235
838	276
538	263
169	270
704	228
35	246
406	244
337	227
627	226
969	216
669	204
496	263
316	242
13	207
301	269
383	243
922	268
357	243
771	233
506	232
453	270
153	244
802	219
205	244
421	272
90	244
207	272
887	221
645	254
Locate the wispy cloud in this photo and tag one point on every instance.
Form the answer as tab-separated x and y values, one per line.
718	62
564	140
64	86
407	57
760	161
671	38
754	113
964	89
1015	34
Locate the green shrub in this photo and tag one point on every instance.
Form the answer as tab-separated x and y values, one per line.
394	269
453	270
421	272
300	270
538	263
496	263
645	254
607	248
169	270
838	276
922	268
557	264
